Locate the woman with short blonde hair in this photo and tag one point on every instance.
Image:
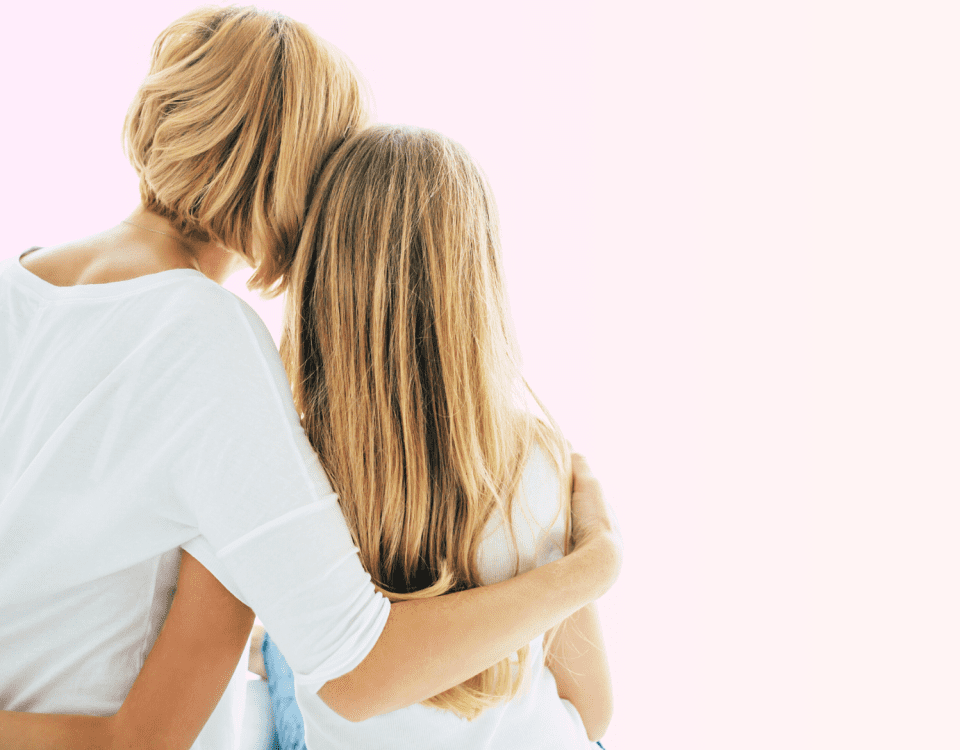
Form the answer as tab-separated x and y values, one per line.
239	109
144	410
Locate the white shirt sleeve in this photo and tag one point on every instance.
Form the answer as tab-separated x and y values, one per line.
270	527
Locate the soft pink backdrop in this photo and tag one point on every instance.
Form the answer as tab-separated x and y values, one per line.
731	239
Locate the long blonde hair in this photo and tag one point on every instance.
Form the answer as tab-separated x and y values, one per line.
404	367
239	109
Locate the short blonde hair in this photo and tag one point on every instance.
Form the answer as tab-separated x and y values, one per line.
240	109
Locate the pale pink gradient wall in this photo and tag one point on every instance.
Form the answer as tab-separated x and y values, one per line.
732	248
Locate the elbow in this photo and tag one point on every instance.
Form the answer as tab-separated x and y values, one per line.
345	708
351	714
596	718
348	702
598	727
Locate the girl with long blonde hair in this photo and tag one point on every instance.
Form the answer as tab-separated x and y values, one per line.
400	352
149	440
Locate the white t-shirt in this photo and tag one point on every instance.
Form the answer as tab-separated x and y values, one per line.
536	720
136	418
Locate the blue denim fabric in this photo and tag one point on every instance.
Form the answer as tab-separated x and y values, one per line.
286	713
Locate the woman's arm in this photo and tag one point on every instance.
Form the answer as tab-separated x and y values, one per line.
427	646
578	661
180	684
430	645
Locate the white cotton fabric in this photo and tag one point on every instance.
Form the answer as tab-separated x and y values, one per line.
136	418
538	719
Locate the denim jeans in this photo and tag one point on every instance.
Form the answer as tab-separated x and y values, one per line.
287	718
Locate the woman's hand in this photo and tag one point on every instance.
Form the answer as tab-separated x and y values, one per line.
255	662
594	527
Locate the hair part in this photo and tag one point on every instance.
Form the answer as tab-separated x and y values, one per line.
240	109
405	369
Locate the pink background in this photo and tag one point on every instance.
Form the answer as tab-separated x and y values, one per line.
731	239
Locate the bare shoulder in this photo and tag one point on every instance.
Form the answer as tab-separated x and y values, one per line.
61	265
102	258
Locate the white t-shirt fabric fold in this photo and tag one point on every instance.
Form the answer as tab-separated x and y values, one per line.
136	418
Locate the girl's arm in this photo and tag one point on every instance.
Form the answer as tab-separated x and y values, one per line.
578	660
181	682
255	659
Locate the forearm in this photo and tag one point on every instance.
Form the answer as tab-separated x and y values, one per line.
182	679
431	645
28	731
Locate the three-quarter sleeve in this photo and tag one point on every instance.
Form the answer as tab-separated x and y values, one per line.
268	522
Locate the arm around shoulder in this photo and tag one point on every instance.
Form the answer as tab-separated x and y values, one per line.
430	645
